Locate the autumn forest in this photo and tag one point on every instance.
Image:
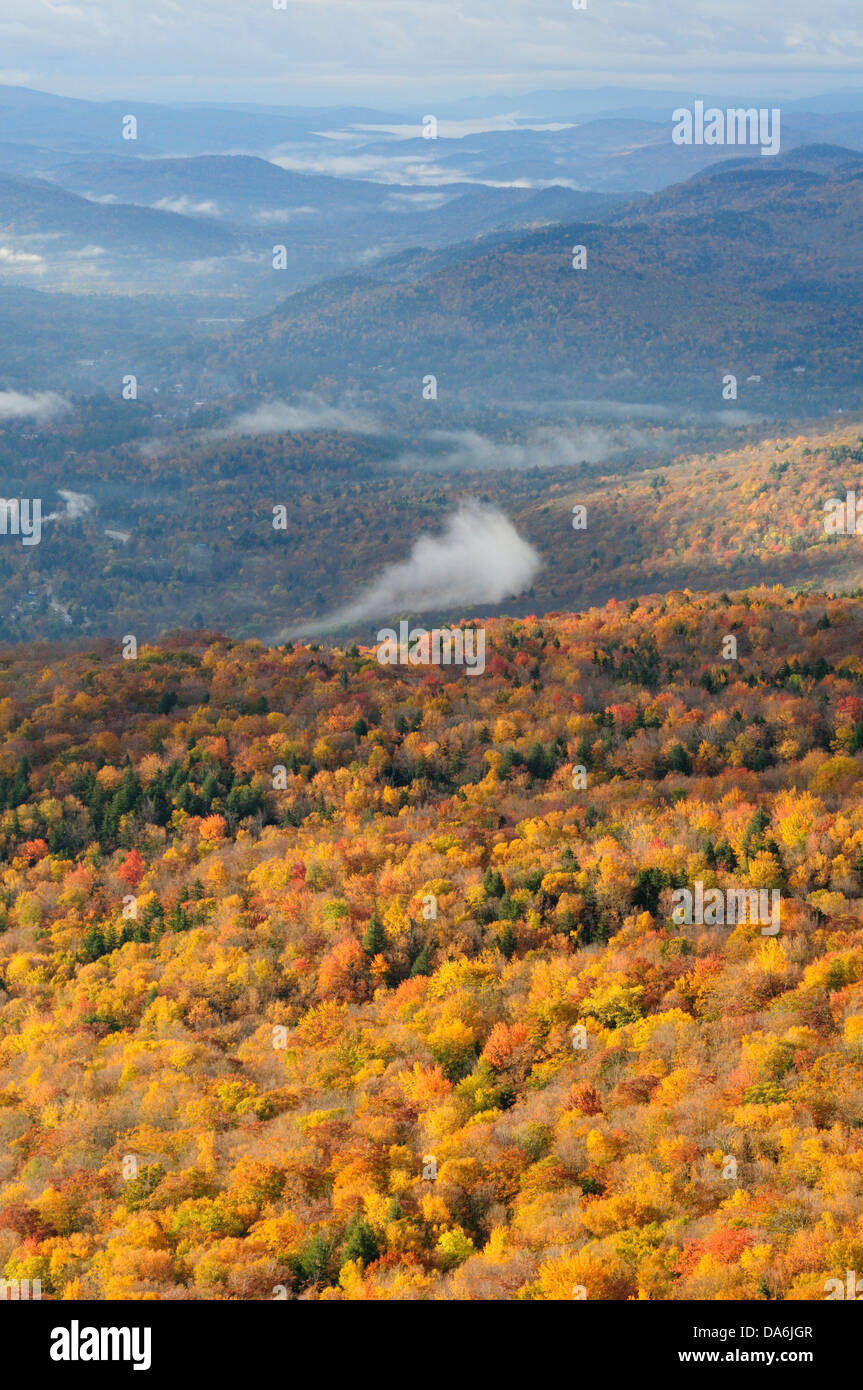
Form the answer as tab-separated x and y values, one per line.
327	980
431	686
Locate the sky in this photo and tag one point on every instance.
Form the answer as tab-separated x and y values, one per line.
378	52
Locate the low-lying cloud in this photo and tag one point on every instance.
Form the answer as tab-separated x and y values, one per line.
479	558
20	260
263	216
40	406
458	129
381	168
548	447
187	207
635	410
75	505
277	417
274	417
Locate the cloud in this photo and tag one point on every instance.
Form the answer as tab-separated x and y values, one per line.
642	411
274	417
188	207
546	448
265	215
77	505
398	53
40	406
413	202
457	130
25	260
381	168
277	417
479	558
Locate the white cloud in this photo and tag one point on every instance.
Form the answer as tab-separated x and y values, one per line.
21	260
547	447
76	505
457	130
265	215
415	202
277	417
41	406
382	168
394	53
187	206
479	558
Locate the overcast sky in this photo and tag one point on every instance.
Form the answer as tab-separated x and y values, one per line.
382	51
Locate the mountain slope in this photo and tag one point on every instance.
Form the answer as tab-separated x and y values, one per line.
37	208
752	272
321	979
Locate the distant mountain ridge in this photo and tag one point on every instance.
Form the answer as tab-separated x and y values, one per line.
608	139
36	207
757	271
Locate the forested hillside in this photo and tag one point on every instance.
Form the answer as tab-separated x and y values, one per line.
750	271
184	534
328	980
